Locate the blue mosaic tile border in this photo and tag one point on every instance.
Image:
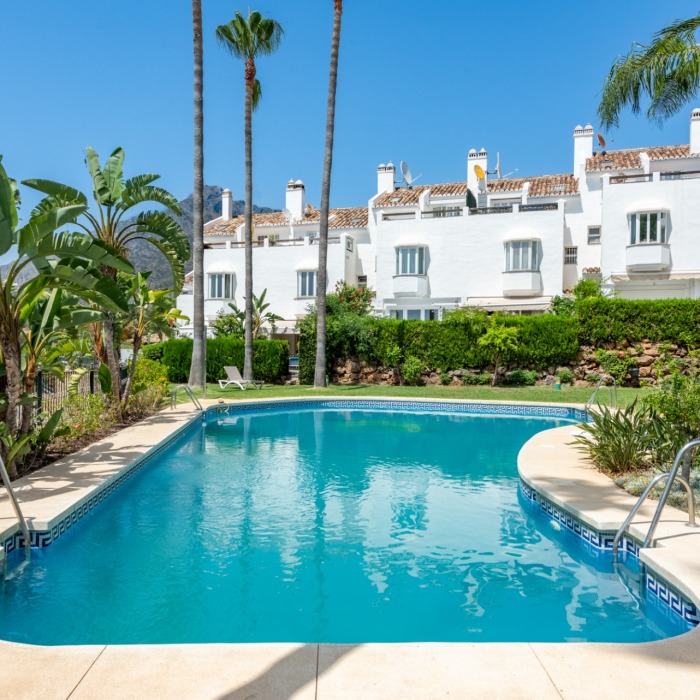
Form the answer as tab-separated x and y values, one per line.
565	412
667	595
43	538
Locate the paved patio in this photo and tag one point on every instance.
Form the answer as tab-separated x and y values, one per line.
322	672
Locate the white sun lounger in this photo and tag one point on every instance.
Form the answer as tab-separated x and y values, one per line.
233	376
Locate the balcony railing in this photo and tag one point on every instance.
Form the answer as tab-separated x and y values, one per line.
286	242
622	179
492	210
680	175
441	213
539	207
399	216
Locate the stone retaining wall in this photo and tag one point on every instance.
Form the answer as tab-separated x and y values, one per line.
653	360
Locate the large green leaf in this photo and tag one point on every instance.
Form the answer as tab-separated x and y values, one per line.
38	227
8	211
135	194
158	223
58	194
113	175
82	246
99	182
72	318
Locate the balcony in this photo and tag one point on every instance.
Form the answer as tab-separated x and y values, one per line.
649	257
522	283
411	286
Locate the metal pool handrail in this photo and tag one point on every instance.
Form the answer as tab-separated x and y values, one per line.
188	390
671	476
613	391
18	510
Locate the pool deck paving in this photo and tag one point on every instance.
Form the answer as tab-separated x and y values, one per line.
668	668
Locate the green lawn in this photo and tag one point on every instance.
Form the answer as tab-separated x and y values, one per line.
567	394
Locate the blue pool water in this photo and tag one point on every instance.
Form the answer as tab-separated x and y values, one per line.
327	526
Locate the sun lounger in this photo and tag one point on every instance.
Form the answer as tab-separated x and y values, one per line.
233	376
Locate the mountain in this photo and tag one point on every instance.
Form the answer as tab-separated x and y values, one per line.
144	256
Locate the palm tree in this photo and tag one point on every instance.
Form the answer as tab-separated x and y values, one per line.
667	72
247	38
197	368
322	274
116	198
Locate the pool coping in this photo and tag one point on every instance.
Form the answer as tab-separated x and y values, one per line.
546	464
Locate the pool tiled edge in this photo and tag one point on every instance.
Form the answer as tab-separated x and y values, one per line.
551	470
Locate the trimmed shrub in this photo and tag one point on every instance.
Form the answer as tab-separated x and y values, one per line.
270	358
566	376
412	370
476	379
521	377
152	351
606	320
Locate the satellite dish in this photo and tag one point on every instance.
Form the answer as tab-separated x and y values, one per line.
601	140
287	214
406	172
479	171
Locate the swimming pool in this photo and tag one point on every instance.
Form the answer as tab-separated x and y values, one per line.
327	525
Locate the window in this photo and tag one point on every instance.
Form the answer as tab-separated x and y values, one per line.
362	281
594	235
522	256
220	286
571	256
349	245
413	315
306	283
410	261
648	227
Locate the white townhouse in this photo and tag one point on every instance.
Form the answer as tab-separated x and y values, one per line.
628	217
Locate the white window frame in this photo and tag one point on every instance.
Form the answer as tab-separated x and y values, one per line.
571	255
411	260
220	285
522	256
648	227
593	237
306	283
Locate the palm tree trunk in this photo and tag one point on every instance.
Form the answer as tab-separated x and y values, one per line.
248	218
197	368
322	274
112	363
132	370
11	354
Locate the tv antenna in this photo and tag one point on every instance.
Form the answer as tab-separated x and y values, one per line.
497	171
406	172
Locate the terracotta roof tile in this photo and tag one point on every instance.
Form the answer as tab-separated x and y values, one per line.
353	217
629	159
540	186
408	196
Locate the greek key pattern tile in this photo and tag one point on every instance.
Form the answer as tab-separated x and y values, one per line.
662	591
43	538
565	412
671	597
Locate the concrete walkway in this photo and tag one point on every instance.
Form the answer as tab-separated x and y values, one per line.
664	669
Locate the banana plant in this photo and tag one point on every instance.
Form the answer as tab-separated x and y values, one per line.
152	311
63	260
115	198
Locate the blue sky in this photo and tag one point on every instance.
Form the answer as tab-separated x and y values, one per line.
419	81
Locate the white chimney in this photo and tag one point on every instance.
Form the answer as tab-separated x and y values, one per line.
295	199
385	178
695	131
226	205
482	160
583	146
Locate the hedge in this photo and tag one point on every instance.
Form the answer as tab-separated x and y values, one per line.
270	357
544	341
606	320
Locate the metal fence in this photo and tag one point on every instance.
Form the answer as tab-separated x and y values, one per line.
52	391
